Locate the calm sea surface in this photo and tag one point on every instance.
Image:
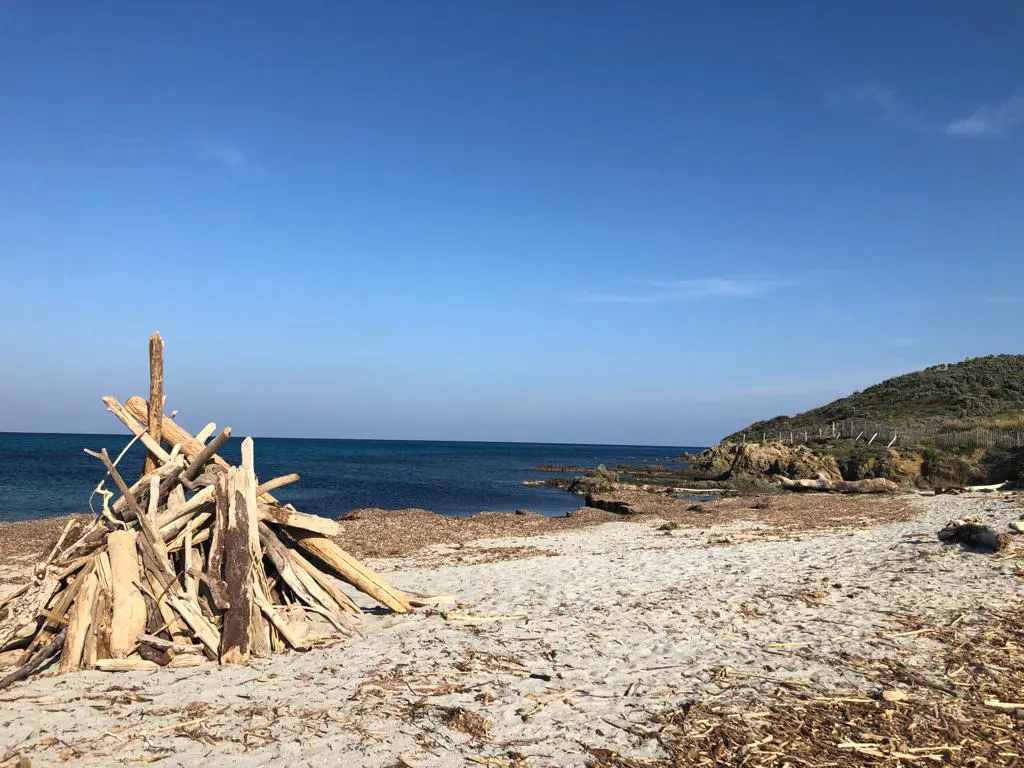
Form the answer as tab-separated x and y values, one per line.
42	475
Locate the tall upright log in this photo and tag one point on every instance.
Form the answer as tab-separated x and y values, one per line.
242	623
261	637
155	412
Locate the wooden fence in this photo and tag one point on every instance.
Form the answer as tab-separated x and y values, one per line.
878	432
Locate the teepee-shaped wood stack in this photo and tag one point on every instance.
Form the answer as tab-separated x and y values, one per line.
196	560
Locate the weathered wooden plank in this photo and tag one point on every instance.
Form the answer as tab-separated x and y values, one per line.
300	520
187	660
126	665
279	622
188	561
277	482
176	498
132	422
215	561
261	634
195	527
324	582
175	512
97	642
208	452
79	623
351	570
129	608
238	568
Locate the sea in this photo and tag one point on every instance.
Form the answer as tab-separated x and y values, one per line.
43	475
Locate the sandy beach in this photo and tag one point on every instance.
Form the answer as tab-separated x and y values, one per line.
582	642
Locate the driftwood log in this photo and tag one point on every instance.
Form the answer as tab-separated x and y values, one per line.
870	485
196	559
975	534
156	396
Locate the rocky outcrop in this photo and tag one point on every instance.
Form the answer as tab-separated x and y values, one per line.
866	463
727	461
601	480
615	504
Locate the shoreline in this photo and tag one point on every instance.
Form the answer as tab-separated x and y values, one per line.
378	532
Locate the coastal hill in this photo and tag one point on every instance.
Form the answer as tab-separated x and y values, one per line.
978	391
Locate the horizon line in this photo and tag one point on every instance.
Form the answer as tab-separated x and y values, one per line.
377	440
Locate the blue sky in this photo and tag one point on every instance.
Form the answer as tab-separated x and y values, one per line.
554	221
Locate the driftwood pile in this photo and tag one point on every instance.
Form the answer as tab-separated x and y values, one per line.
196	560
869	485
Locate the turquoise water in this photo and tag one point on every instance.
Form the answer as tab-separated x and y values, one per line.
42	475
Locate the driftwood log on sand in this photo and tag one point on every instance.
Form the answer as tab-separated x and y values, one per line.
195	559
973	533
870	485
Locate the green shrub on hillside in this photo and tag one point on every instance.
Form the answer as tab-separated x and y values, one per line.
979	390
950	469
1003	465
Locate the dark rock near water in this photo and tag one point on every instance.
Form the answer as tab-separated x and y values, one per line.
562	483
615	505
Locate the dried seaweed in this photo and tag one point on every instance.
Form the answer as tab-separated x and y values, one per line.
973	716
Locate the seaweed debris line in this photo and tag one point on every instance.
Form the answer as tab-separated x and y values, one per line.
194	561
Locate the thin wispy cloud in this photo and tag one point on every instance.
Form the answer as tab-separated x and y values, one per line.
225	154
876	104
883	105
1003	299
989	120
904	341
675	291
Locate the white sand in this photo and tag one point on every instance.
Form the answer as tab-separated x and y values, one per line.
623	621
